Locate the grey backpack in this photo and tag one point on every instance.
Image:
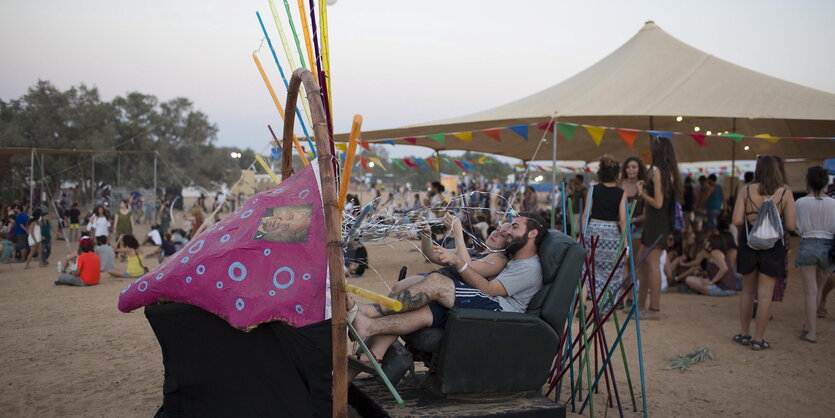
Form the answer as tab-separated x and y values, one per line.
767	228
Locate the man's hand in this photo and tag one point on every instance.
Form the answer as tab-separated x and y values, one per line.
451	221
447	257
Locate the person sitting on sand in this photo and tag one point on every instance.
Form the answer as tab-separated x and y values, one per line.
88	267
720	280
107	256
130	247
425	303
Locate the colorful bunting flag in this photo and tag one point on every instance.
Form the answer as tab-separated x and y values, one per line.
412	140
431	163
388	141
521	130
567	130
768	138
377	161
437	137
364	162
464	136
421	163
628	136
735	136
546	126
467	165
668	135
484	159
409	163
459	164
342	147
700	139
275	153
596	133
494	133
398	163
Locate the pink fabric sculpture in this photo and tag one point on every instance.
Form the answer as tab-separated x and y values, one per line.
266	261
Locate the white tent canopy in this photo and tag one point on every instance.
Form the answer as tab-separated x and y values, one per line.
646	84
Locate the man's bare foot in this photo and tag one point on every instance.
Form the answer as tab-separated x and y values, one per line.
361	324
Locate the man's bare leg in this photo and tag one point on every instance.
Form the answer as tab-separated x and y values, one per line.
435	287
392	325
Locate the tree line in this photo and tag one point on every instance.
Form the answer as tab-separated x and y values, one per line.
78	118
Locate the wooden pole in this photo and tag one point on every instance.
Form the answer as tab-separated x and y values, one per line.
333	228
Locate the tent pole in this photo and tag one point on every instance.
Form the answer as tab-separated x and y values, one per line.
118	169
32	180
733	159
43	180
438	160
554	175
93	180
155	189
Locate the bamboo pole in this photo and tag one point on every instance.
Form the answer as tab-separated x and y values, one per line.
333	230
307	43
349	160
279	108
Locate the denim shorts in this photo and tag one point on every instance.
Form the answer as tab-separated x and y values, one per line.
814	252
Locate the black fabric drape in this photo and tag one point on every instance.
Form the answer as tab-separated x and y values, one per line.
215	370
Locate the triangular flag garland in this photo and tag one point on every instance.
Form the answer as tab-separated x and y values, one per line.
398	163
567	130
596	133
421	163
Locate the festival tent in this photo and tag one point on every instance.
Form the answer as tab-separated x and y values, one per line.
645	85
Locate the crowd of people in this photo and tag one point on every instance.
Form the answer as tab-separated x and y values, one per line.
26	234
690	235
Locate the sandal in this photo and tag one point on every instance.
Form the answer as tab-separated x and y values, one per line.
355	363
760	345
742	339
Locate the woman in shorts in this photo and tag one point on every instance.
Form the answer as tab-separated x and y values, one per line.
816	226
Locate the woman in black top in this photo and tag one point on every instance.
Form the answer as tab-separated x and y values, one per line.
607	220
660	195
761	269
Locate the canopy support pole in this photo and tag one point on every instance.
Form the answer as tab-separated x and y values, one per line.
734	187
155	189
93	180
438	160
554	176
32	180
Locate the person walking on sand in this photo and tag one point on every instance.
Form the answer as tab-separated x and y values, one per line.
660	194
816	226
761	268
124	222
34	236
100	222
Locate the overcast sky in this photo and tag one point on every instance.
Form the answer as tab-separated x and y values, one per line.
394	62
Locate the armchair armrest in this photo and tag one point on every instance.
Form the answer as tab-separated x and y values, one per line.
485	351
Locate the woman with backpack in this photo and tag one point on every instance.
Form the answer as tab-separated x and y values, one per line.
816	226
763	210
660	195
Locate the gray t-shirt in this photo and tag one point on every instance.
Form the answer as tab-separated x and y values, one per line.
107	257
521	279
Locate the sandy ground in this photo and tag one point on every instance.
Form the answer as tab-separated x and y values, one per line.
69	351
